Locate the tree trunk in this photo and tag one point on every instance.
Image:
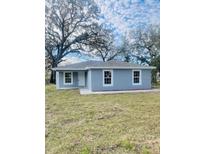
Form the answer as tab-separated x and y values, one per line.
103	58
53	74
53	77
154	76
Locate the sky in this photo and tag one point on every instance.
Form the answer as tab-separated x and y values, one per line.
125	15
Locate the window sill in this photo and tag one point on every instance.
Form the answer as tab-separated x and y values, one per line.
68	83
107	85
136	84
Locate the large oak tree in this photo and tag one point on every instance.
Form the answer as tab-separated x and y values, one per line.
70	26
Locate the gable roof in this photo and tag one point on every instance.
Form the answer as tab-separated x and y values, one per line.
101	65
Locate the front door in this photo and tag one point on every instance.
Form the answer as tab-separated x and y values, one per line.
81	78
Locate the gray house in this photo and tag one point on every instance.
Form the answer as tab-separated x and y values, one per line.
103	76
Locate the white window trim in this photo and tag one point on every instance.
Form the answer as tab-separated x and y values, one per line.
140	77
107	85
64	78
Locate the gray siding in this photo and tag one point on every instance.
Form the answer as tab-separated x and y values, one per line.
122	80
75	81
61	85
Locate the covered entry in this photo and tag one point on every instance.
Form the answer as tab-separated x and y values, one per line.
81	78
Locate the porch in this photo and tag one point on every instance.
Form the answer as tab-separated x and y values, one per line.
71	79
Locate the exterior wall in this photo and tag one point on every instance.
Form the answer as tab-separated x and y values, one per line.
63	86
122	80
60	82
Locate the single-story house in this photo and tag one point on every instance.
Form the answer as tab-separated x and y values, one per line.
103	76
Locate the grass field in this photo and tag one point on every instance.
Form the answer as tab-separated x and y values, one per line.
117	124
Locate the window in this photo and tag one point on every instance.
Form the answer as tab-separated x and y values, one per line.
136	77
68	77
107	78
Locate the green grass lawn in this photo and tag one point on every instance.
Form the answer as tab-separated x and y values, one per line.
118	123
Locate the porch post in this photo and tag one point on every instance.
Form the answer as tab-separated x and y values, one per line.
57	80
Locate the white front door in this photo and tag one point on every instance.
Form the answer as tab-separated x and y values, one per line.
81	78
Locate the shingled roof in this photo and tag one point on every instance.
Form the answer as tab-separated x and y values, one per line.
101	65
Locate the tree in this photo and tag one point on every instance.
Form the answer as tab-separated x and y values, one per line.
69	27
103	46
146	47
146	44
125	50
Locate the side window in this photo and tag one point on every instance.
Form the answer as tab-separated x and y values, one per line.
136	77
107	77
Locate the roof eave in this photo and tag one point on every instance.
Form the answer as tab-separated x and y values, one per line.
67	69
88	68
139	67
